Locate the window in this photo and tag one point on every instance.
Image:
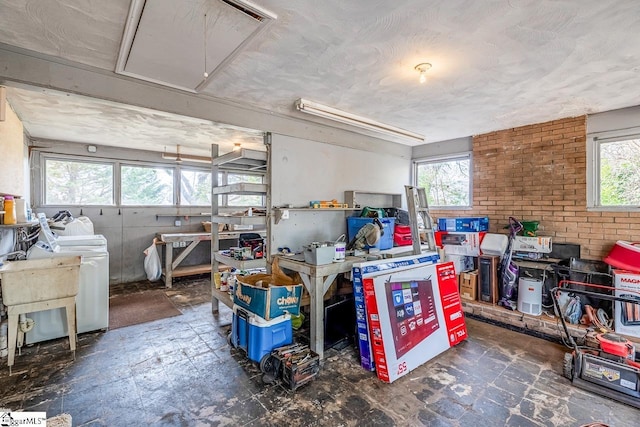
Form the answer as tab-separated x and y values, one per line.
446	180
615	178
142	185
71	182
195	188
244	200
75	180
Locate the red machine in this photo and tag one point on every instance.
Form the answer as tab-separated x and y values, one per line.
605	363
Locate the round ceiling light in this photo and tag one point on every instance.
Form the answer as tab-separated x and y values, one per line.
422	69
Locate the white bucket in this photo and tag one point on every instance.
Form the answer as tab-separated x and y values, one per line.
340	249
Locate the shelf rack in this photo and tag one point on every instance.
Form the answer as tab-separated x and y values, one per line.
243	160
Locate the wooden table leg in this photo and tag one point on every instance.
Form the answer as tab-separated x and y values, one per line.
70	308
12	336
168	265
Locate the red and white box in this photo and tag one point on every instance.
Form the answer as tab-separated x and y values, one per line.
413	311
627	314
459	243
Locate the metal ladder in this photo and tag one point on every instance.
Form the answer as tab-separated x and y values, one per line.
417	206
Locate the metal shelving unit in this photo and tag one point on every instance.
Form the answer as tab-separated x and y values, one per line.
243	160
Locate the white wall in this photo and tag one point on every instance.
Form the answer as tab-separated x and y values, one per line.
304	170
442	148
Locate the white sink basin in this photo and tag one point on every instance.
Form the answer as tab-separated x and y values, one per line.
30	281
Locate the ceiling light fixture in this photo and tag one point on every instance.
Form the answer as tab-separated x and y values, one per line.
331	113
422	69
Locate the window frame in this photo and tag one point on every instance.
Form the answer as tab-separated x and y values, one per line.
39	177
174	196
594	142
42	195
466	155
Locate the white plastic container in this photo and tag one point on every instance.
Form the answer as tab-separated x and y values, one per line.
530	296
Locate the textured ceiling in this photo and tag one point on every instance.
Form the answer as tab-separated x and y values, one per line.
45	114
496	63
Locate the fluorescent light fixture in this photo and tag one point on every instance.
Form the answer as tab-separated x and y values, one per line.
331	113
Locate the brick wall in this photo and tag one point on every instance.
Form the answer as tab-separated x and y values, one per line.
538	172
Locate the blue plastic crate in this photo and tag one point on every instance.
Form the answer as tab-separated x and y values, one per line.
258	336
464	224
355	223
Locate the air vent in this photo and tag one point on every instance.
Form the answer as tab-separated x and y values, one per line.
244	10
184	44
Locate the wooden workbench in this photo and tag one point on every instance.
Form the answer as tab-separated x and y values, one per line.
172	266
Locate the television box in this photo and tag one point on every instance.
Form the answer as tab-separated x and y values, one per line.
463	224
355	223
627	314
532	244
414	313
270	302
468	284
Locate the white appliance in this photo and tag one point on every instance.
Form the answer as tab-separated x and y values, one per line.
92	301
530	296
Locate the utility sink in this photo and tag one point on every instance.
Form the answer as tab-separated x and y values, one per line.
32	281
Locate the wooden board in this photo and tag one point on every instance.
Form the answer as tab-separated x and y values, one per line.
190	270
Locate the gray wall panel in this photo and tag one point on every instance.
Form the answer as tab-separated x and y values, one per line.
304	170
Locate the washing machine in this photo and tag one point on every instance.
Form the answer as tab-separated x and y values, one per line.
92	301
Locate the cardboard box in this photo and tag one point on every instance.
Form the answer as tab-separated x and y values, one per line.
460	243
463	224
413	312
269	302
532	244
627	315
468	285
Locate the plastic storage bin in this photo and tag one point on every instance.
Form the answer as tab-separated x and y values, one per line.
354	224
257	336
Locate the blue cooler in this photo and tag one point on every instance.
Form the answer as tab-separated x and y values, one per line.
258	336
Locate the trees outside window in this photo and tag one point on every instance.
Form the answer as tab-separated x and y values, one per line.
447	181
149	186
71	182
619	173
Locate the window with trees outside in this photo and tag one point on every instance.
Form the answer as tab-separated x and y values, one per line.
146	186
71	182
616	175
446	180
244	200
195	188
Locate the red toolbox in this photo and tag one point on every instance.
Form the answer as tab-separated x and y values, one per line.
402	229
402	239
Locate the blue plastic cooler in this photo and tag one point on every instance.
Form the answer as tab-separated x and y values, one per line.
258	336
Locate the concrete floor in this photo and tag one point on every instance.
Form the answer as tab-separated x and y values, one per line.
181	371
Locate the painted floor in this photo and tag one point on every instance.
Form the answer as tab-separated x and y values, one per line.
180	371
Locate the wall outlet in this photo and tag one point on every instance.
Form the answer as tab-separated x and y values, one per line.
177	223
285	214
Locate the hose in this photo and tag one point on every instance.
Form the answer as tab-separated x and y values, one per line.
25	323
